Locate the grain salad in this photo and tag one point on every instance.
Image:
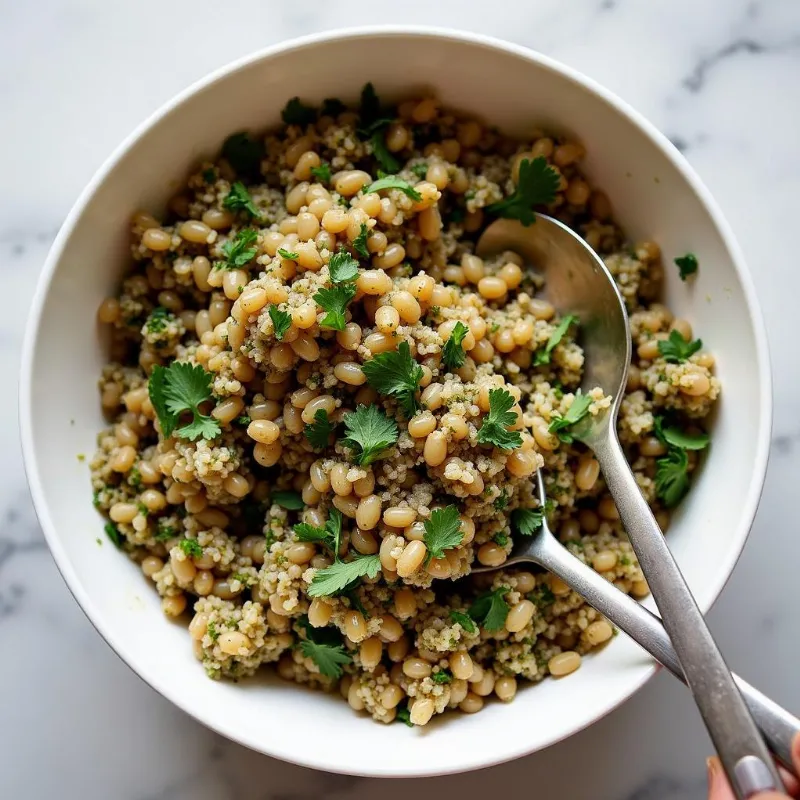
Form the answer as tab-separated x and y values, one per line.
324	408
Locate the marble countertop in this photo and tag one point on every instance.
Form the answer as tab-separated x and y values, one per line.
719	77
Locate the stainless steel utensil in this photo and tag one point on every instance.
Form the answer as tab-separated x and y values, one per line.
578	282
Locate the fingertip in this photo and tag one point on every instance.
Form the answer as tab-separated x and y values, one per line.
796	754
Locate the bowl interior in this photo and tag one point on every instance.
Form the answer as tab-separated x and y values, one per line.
509	88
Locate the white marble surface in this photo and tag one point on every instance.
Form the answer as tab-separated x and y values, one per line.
719	77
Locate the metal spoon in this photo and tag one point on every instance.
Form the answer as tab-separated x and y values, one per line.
578	282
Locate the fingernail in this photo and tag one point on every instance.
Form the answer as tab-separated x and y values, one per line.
713	770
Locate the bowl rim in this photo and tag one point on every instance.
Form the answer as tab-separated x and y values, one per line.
750	500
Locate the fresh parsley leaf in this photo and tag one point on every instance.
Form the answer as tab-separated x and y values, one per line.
281	321
191	547
675	437
330	535
441	677
687	265
543	356
404	715
112	531
464	620
395	374
490	609
560	426
291	501
243	420
239	251
332	107
340	574
672	477
501	501
360	242
244	154
369	434
334	301
296	112
209	175
542	596
328	657
527	520
442	531
319	431
310	533
238	199
370	110
165	533
453	353
178	388
157	320
393	182
676	349
322	173
494	428
343	267
420	170
537	185
382	153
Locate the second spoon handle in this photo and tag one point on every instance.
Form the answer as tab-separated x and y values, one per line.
777	724
736	738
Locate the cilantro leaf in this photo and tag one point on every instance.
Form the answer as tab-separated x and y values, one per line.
330	535
328	657
543	356
560	426
382	153
675	437
319	431
291	501
369	434
393	182
343	267
332	107
453	353
165	533
244	154
370	110
360	242
340	574
310	533
464	620
112	531
676	349
542	596
442	531
494	428
238	199
289	255
239	251
441	677
490	609
157	319
395	374
281	321
296	112
420	170
672	477
687	265
404	715
527	520
334	301
322	173
191	547
537	185
178	388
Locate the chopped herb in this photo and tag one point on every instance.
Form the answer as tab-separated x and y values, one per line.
396	374
542	596
165	533
672	477
281	321
457	215
135	478
244	154
441	677
442	531
334	301
494	428
404	715
341	574
561	426
158	319
244	420
370	111
289	255
543	356
675	437
180	388
490	609
369	434
625	561
330	535
382	153
420	170
296	112
142	509
393	182
191	547
211	630
360	242
319	431
238	199
329	658
501	501
112	531
239	251
676	349
464	620
501	539
687	265
527	520
322	173
291	501
537	185
332	107
453	353
209	175
343	267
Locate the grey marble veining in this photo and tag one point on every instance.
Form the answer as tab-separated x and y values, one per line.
718	77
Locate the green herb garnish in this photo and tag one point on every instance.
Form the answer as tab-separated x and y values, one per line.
341	574
157	320
360	242
675	437
244	154
296	112
561	426
281	321
527	520
325	648
238	199
441	677
396	374
537	185
687	265
676	349
319	431
494	428
112	531
672	477
322	173
369	434
330	535
543	356
191	547
393	182
239	251
420	170
490	609
180	388
442	531
291	501
464	620
289	255
334	301
453	353
343	267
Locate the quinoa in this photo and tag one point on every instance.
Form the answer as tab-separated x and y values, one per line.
229	282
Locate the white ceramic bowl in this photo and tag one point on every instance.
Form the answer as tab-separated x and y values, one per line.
655	195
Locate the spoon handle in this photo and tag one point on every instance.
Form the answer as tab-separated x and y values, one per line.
778	726
733	731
